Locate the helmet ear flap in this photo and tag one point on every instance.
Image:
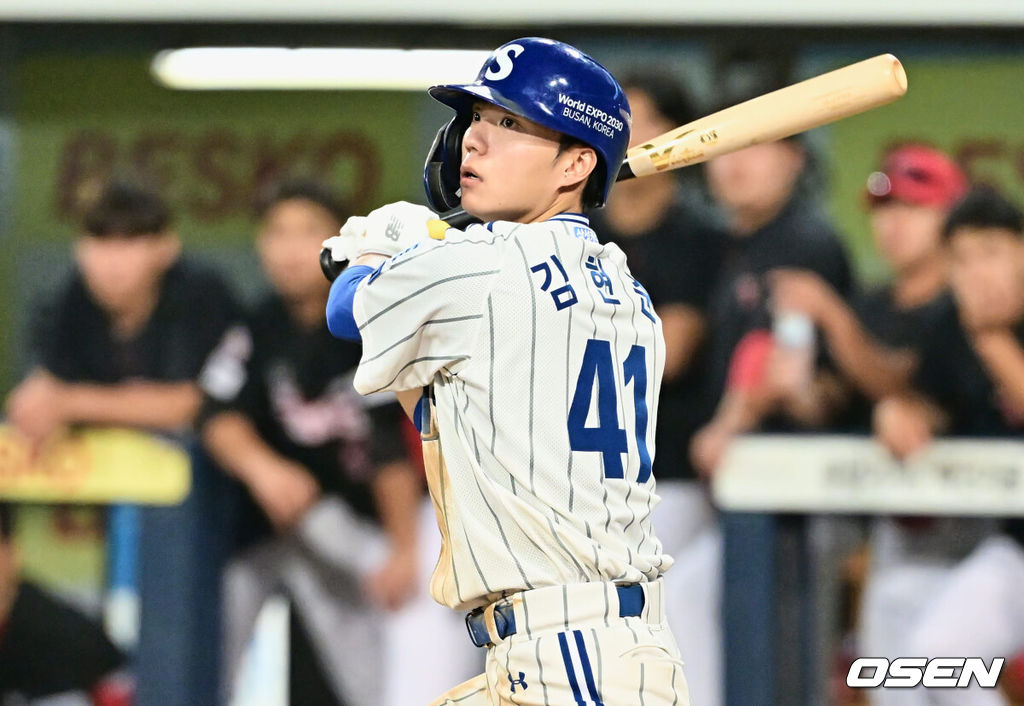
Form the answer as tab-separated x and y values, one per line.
441	172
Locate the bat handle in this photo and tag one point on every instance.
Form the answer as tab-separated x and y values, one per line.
458	218
329	266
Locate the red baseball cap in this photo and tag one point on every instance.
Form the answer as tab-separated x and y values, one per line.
919	175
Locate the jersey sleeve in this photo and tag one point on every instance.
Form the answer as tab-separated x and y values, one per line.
227	379
420	311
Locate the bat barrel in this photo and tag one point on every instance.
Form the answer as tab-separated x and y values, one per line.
817	101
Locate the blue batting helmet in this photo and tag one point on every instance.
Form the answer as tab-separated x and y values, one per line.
548	82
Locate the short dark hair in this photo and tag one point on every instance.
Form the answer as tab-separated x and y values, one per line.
310	190
593	190
984	207
670	97
128	209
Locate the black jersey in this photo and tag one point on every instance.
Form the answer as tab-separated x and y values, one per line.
48	648
677	262
72	337
295	385
953	375
799	237
896	327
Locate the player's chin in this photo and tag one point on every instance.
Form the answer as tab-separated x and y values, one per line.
476	204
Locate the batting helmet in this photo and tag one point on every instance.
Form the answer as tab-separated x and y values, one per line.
548	82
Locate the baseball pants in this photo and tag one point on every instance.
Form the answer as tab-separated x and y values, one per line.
570	648
979	612
909	567
688	528
318	567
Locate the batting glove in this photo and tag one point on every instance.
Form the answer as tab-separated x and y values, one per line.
391	229
345	245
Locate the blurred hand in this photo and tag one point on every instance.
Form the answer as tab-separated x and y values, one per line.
788	377
395	582
708	447
285	492
36	407
902	425
801	290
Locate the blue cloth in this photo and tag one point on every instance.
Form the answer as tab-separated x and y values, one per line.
341	321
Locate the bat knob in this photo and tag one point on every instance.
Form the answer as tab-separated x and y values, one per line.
331	267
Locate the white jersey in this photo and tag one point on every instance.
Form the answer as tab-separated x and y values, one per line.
545	359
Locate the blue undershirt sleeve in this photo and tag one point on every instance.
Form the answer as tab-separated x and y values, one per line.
341	321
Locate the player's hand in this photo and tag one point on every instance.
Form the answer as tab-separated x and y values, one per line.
708	447
344	245
903	425
391	229
395	582
285	491
36	407
803	291
338	251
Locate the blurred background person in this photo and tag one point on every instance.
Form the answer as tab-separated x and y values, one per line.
673	247
970	382
122	339
331	500
49	651
874	341
769	199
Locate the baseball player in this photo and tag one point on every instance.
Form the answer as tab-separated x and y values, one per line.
531	360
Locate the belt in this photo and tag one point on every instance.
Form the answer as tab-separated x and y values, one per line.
631	603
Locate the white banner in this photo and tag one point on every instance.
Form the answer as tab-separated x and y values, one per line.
824	474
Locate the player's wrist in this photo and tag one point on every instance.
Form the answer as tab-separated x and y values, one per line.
370	259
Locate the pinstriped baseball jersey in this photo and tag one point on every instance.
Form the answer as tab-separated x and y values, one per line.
545	359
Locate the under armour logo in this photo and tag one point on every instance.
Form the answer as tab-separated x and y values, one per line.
394	229
521	681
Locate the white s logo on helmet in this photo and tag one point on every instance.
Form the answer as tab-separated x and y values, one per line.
504	61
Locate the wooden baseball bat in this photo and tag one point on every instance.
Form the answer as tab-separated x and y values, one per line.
817	101
812	103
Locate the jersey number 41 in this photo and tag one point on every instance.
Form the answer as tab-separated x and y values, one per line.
607	438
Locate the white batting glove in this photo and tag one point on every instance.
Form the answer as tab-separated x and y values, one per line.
391	229
345	245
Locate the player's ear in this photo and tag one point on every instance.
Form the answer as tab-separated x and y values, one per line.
578	162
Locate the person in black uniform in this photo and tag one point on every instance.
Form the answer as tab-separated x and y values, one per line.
47	648
874	341
672	246
774	223
768	197
971	383
324	469
122	340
